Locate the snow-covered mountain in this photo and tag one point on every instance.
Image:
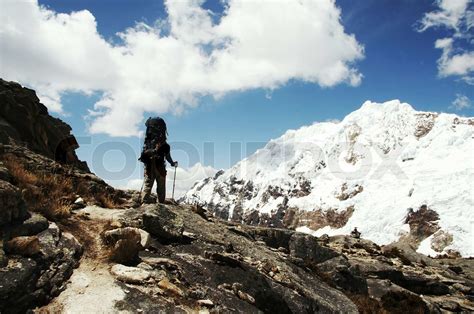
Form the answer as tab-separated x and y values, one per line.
387	169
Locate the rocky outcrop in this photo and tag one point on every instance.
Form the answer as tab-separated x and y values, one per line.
12	206
40	181
163	223
37	269
425	122
24	120
423	223
396	278
35	256
212	265
199	263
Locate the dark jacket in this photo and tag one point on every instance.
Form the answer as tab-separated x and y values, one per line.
157	156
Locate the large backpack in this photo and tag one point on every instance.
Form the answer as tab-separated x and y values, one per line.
155	131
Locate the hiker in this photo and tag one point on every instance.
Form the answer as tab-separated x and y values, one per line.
355	233
155	151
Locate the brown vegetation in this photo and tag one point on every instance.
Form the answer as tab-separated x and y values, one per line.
52	193
106	201
24	246
44	193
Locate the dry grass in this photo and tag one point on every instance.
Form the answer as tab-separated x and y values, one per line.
20	174
106	201
53	195
47	194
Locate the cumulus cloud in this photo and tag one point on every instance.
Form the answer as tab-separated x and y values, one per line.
461	102
168	66
457	57
185	179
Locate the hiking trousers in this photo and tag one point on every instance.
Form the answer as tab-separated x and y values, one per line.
152	174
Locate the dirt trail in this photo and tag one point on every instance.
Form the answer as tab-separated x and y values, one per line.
91	288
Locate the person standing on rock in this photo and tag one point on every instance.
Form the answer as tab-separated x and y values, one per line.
155	151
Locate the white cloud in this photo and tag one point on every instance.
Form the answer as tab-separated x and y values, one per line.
185	179
167	68
457	58
450	15
461	102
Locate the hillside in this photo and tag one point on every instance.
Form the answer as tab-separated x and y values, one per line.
391	171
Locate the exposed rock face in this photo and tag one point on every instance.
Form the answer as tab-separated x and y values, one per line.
441	240
423	223
12	206
396	279
425	123
226	265
39	269
307	249
317	219
26	121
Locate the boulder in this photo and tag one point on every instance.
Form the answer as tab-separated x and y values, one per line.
375	268
272	237
133	275
420	284
124	244
31	226
12	206
160	261
393	298
17	283
163	223
48	240
307	248
79	203
338	273
26	282
145	240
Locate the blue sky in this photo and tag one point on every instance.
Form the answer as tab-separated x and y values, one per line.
398	63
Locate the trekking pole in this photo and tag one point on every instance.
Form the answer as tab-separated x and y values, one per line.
174	182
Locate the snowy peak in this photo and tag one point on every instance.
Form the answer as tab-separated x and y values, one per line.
366	171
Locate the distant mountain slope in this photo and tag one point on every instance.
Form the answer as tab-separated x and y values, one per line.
387	169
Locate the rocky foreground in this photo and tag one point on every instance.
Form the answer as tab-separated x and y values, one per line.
177	259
